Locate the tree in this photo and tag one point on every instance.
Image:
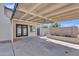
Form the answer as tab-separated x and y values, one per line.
55	25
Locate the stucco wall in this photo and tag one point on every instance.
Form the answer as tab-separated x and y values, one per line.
25	23
5	25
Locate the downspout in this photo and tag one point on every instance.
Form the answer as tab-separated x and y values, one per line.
13	13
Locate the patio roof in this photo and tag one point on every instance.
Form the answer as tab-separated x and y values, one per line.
46	12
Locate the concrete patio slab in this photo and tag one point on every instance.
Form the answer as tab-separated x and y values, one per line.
35	46
72	45
6	49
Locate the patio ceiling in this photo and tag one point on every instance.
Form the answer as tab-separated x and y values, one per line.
46	12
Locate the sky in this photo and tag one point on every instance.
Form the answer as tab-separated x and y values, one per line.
9	5
67	23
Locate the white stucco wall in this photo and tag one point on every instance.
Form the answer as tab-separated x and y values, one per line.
43	31
5	25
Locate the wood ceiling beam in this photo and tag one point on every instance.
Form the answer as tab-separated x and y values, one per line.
53	8
65	14
29	22
33	14
58	15
63	11
36	20
30	10
30	18
73	16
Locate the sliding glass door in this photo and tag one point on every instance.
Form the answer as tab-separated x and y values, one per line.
21	30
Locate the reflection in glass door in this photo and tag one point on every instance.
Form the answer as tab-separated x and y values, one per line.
25	30
18	30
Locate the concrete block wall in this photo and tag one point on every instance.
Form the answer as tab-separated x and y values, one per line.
62	33
65	31
65	39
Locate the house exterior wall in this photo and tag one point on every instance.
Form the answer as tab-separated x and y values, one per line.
43	31
25	23
5	25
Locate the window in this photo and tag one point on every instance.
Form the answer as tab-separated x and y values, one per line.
21	30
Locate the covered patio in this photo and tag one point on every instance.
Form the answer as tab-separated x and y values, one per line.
26	20
38	14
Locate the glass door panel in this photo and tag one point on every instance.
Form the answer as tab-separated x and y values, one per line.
18	30
24	30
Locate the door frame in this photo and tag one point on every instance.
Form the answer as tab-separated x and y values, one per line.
21	30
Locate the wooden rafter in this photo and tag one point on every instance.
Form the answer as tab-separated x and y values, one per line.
63	11
30	10
33	14
55	12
